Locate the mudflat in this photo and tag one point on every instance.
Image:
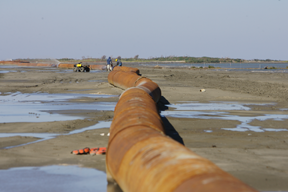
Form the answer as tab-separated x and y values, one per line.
258	158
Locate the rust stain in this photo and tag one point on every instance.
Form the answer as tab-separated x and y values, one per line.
140	157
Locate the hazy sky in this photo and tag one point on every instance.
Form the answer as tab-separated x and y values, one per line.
247	29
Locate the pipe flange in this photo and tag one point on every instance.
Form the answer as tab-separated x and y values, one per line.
138	80
127	90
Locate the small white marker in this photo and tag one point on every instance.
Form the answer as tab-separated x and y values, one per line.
102	134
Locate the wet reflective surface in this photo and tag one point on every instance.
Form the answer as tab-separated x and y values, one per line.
11	68
232	66
215	106
4	71
46	136
35	107
52	178
217	110
95	81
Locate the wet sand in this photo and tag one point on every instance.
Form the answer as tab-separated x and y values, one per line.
259	159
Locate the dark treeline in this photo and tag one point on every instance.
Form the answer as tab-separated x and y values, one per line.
183	59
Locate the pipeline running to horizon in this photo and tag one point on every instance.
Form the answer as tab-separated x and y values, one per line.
140	157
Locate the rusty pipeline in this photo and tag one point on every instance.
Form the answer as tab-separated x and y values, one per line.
149	161
71	66
27	64
98	67
150	87
126	80
66	65
141	158
13	62
61	65
139	109
116	78
126	69
45	65
8	62
21	64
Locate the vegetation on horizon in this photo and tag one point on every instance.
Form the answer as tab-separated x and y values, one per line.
170	59
182	59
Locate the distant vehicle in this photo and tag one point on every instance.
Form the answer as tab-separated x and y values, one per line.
81	68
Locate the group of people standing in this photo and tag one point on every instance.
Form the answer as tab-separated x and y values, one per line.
110	64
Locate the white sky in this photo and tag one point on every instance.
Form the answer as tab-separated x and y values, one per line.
247	29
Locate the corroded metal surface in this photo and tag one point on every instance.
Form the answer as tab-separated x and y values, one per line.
126	80
27	64
140	157
135	108
150	87
98	67
71	66
126	69
45	65
66	65
61	65
122	79
12	62
30	64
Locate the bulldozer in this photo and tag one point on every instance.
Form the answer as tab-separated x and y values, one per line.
81	68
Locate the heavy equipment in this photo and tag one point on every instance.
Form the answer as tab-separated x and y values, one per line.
81	68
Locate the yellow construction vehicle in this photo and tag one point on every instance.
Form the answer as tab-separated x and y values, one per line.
81	68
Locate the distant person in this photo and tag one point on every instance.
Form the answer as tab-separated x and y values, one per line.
119	62
109	64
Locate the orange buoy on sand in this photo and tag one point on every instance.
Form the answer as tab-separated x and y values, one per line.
98	151
91	151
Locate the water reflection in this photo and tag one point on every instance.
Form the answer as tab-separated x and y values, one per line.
36	107
212	106
221	111
46	136
234	66
53	178
3	71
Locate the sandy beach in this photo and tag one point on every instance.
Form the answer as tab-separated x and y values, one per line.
256	152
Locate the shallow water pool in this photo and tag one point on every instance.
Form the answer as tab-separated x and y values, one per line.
220	110
35	107
52	178
46	136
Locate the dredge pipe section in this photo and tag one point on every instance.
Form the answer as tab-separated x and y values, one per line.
141	158
129	79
